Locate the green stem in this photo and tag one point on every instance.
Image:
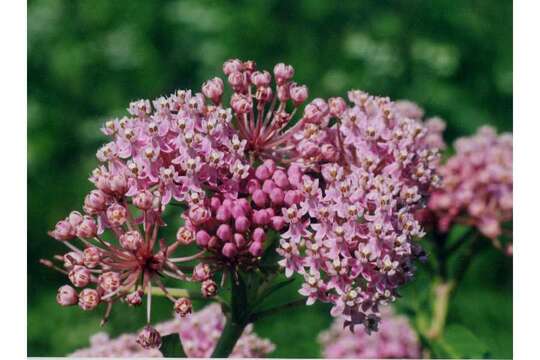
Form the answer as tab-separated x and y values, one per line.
230	335
442	291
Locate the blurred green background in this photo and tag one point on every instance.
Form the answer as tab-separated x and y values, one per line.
88	59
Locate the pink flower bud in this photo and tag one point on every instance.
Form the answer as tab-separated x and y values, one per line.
298	93
241	224
237	211
244	204
116	215
238	81
262	172
253	185
87	228
198	215
270	165
263	94
66	296
316	110
256	249
224	232
232	65
223	214
143	200
229	250
294	173
131	240
258	235
250	66
215	203
277	223
202	238
79	276
209	288
63	231
270	212
134	298
75	218
71	259
228	203
118	184
292	197
239	240
213	89
337	106
241	104
184	236
214	242
201	272
268	186
95	202
183	306
260	217
283	73
260	198
261	78
91	257
281	179
89	299
149	338
283	92
109	281
277	196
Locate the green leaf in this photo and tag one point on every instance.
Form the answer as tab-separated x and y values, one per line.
460	342
171	346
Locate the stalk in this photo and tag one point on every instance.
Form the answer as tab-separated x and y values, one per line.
230	335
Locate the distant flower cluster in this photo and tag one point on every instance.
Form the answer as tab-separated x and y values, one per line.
478	184
199	334
394	340
339	183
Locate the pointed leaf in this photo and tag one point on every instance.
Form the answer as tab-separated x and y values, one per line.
171	346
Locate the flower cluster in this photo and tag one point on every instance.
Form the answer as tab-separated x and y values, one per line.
198	332
477	184
351	235
395	339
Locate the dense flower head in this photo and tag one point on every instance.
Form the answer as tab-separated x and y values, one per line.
351	234
199	334
477	184
394	340
339	182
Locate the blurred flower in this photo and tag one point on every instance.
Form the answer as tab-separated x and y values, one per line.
395	339
199	334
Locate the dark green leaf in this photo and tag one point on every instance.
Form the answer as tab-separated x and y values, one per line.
171	346
460	342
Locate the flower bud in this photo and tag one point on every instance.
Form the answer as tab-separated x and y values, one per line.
224	232
277	223
232	65
183	306
337	106
277	196
258	235
298	93
292	197
143	200
316	110
215	203
75	218
260	217
213	89
131	240
198	215
134	298
268	186
184	236
241	224
214	242
223	214
63	231
253	185
118	184
261	78
239	240
283	73
283	92
201	272
281	179
209	288
80	276
71	259
229	250
237	211
149	338
260	198
202	238
87	228
244	204
238	82
262	172
95	202
294	173
256	249
89	299
91	257
116	215
109	281
66	296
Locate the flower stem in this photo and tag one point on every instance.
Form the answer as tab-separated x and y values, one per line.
230	335
442	291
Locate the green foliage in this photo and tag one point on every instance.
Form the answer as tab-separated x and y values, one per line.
87	59
172	347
